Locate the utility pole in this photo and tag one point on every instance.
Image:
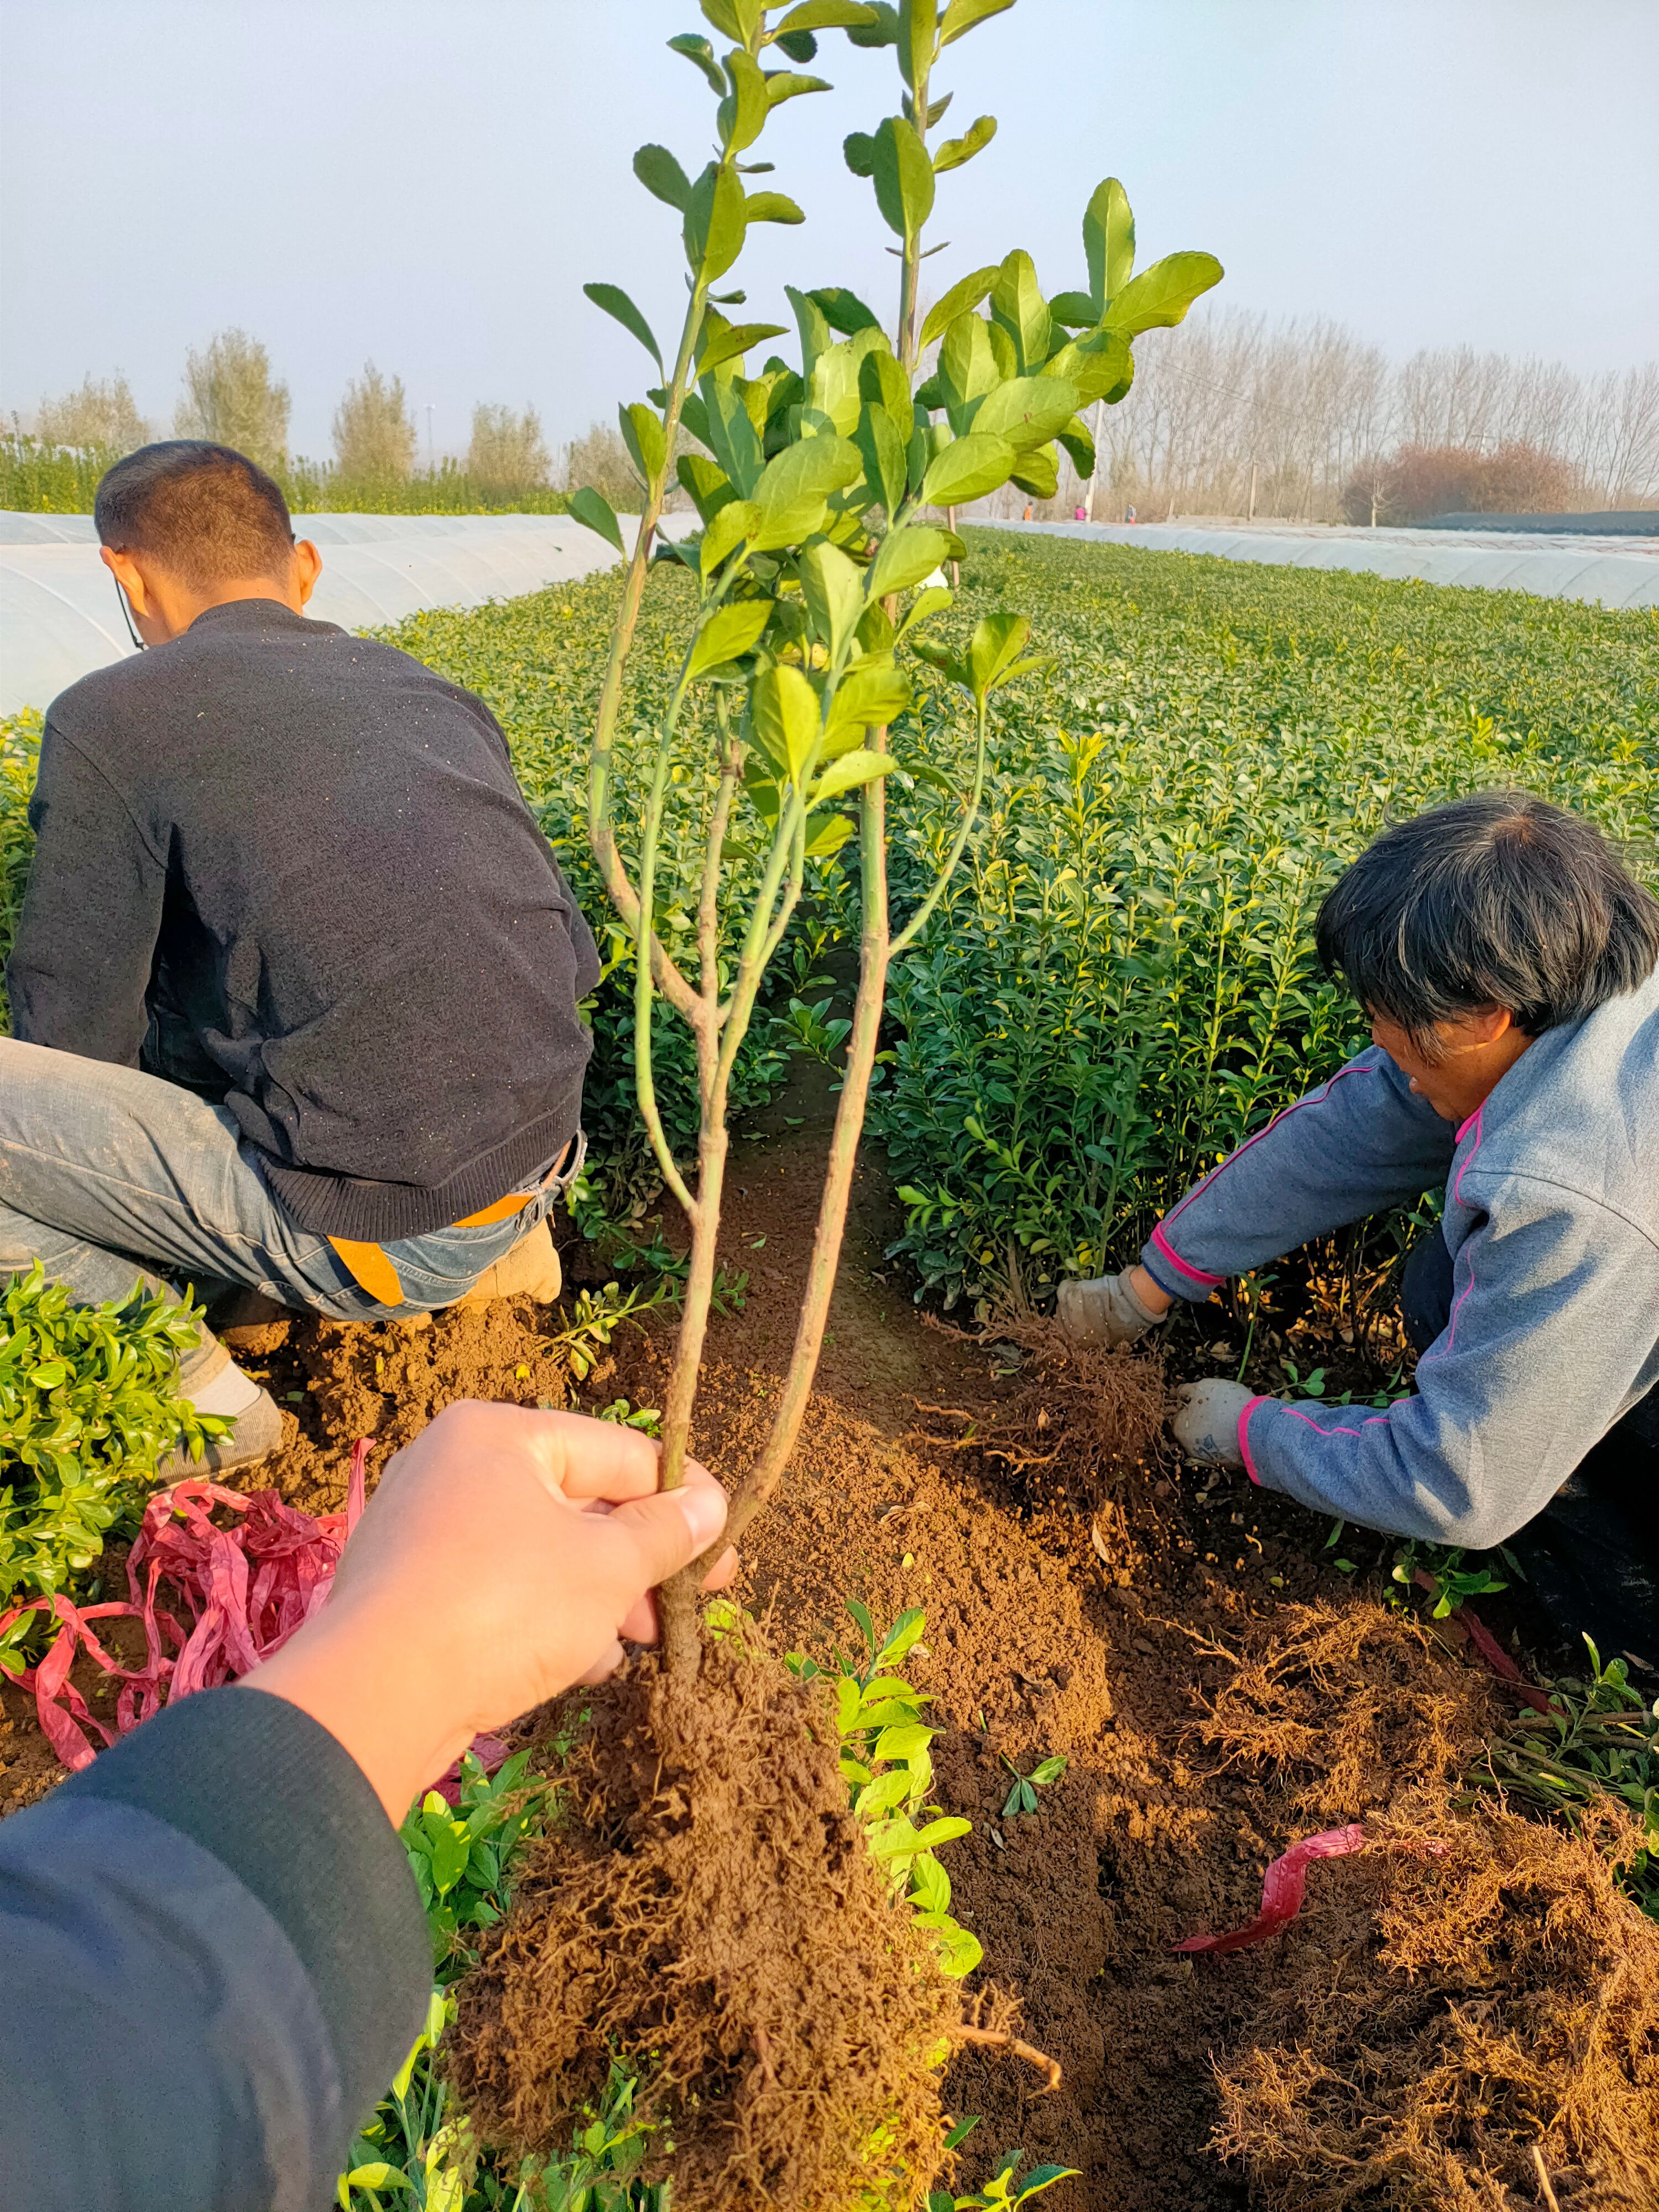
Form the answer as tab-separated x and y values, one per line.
431	463
1252	513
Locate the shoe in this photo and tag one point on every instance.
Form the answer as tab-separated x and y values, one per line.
530	1270
253	1436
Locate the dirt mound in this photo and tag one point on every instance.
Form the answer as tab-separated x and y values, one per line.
1454	2020
708	1905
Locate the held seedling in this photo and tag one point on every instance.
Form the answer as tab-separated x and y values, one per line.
817	488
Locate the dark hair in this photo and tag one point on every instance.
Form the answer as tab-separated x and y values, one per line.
203	511
1499	899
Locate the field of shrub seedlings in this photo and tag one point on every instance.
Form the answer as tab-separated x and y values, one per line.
1037	1815
1086	1695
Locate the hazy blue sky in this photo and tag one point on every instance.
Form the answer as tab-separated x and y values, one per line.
429	183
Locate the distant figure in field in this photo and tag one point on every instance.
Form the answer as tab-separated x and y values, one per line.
1079	513
1030	511
1128	514
294	988
1510	967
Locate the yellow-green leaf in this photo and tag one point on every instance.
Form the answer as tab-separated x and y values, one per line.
785	708
848	774
729	632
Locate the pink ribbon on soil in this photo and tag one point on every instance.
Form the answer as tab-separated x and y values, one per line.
244	1590
1491	1650
1283	1888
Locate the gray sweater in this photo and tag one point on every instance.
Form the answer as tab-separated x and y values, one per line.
1552	1218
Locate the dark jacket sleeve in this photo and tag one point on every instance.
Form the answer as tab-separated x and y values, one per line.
216	1960
81	965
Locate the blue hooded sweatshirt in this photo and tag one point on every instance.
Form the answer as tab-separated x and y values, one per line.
1552	1218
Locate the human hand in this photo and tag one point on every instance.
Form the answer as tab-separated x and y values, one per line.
1112	1309
505	1556
1206	1426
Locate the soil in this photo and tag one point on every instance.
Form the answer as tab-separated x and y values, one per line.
1217	1687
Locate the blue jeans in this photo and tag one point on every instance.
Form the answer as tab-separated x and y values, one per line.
112	1179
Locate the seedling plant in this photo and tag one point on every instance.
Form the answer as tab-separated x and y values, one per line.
816	489
1022	1797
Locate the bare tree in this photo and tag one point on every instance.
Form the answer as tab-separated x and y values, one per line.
599	458
101	413
507	453
231	397
374	436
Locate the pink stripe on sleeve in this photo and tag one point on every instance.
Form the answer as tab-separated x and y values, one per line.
1193	1275
1245	1413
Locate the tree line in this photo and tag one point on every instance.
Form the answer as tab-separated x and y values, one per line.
1231	414
232	395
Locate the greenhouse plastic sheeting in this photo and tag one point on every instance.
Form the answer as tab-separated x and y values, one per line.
60	618
1612	572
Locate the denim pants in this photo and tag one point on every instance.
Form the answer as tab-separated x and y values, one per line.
113	1180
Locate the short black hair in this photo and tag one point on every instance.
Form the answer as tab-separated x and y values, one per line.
205	512
1497	900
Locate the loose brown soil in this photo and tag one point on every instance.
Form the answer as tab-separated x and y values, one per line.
1218	1689
708	1906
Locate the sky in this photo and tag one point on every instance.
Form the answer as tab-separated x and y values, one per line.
428	184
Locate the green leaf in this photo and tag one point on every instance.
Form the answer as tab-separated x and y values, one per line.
955	151
906	556
967	469
616	302
845	312
903	1742
926	604
959	1951
834	589
730	632
968	369
962	298
942	1831
858	152
868	697
904	177
882	451
772	207
1159	297
1049	1770
828	16
1044	2177
714	223
847	1701
597	513
646	439
997	643
743	111
861	1615
662	175
1027	412
793	495
1038	472
1018	306
848	774
883	32
731	526
907	1630
1075	309
1079	441
1099	366
702	53
734	341
378	2175
965	15
789	84
1109	243
832	832
785	708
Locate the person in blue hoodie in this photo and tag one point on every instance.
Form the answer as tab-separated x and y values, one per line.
1509	967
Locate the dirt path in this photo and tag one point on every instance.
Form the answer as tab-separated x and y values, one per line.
1079	1609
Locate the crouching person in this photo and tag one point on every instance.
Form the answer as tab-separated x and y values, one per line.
1507	964
295	988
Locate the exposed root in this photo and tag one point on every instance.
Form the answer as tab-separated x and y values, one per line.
1079	1409
1460	2026
1028	2052
709	1908
1349	1709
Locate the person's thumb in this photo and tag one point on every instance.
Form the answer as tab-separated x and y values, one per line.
669	1529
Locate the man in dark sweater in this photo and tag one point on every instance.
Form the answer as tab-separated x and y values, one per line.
295	989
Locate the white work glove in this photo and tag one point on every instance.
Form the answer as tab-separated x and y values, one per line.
1206	1426
1104	1310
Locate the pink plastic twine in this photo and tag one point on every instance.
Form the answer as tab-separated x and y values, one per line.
1283	1888
1490	1649
243	1591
